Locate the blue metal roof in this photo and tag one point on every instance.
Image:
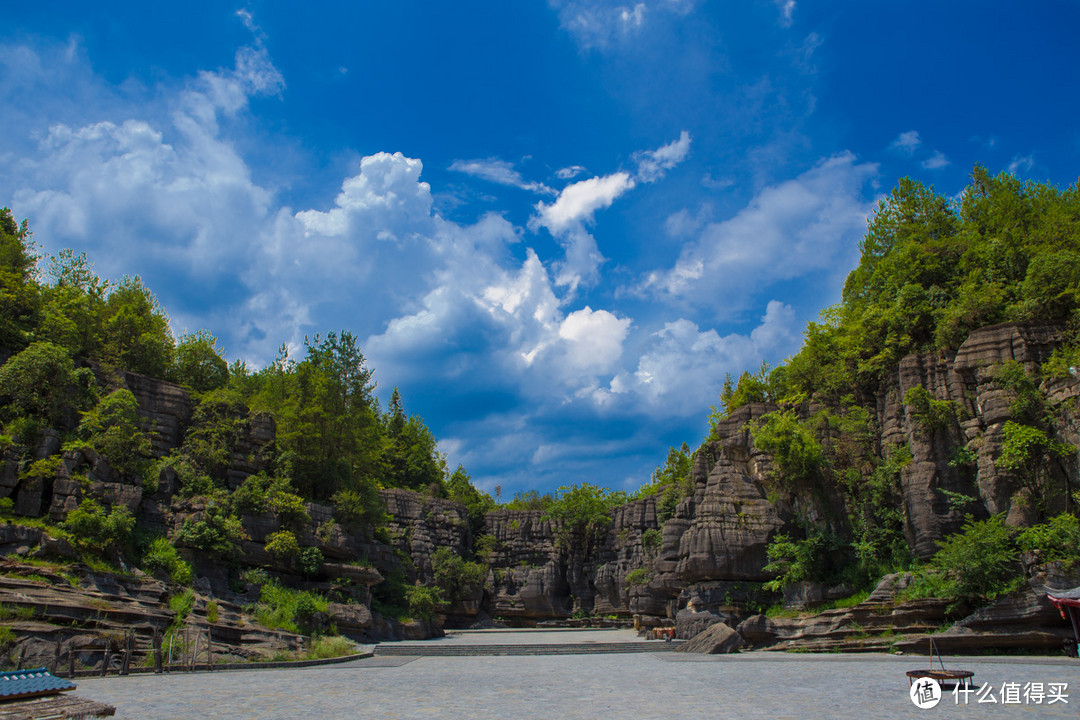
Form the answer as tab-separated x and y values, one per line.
30	683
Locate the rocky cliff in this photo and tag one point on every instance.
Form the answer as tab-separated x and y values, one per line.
701	566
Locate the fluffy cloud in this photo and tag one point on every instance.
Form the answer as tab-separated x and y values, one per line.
386	195
578	202
792	229
683	365
936	161
906	142
501	172
654	164
173	188
566	218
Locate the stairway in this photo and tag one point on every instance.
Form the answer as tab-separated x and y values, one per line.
445	650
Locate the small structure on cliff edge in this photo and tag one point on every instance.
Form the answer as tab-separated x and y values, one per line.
1068	602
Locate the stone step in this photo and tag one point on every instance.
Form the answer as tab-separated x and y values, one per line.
437	650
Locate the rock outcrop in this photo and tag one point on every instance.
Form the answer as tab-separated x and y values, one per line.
699	571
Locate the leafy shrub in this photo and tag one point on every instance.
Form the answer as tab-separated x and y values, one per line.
310	560
457	578
1028	404
460	489
579	513
810	559
259	493
44	468
1055	541
1062	363
41	381
289	507
212	611
93	529
182	604
287	609
331	646
927	410
283	545
197	362
651	540
255	576
484	546
361	505
529	500
639	576
112	428
797	453
216	533
161	556
980	562
423	601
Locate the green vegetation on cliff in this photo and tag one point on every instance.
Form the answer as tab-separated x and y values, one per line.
67	337
932	270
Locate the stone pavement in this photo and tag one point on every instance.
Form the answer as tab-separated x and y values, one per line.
639	686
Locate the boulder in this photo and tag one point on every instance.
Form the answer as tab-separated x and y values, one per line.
349	619
719	638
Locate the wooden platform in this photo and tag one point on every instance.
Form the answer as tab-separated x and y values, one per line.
55	707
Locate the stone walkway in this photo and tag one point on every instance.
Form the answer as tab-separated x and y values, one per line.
634	686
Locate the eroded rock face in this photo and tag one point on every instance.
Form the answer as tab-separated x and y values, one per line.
419	525
164	406
983	407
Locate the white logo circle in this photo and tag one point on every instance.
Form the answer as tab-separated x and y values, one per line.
925	693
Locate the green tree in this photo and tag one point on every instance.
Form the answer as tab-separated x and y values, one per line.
581	513
113	428
19	293
328	429
93	529
73	312
457	578
137	334
980	562
410	456
460	489
198	362
1029	452
797	452
41	382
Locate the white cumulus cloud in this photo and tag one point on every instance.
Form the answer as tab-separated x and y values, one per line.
810	223
654	164
578	202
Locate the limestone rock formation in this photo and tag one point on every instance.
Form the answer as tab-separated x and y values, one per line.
717	639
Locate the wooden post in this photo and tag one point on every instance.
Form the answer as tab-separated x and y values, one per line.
209	651
71	659
157	651
22	656
105	661
56	657
129	644
195	652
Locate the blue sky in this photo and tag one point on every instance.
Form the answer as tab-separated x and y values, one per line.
554	225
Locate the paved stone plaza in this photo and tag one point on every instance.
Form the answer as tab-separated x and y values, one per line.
642	685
